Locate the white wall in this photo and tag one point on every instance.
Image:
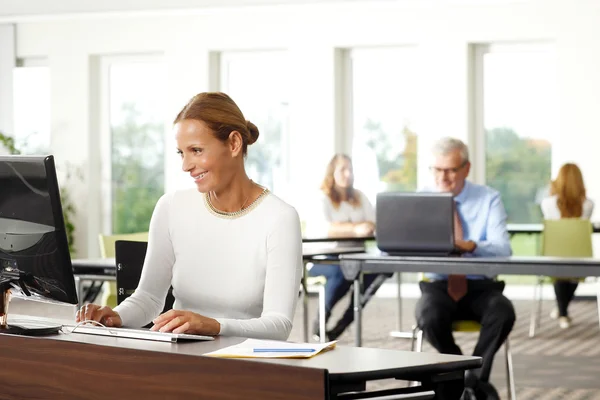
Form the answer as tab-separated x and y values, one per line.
312	33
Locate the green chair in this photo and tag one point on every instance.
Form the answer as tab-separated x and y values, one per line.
107	250
471	326
567	237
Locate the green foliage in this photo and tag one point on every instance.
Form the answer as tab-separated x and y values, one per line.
9	143
68	207
519	168
137	171
397	166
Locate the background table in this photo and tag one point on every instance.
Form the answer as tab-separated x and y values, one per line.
354	265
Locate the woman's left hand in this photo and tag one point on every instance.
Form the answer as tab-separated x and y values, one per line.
178	321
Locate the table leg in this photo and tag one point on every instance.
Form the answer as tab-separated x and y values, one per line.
448	386
598	298
304	303
358	281
322	312
399	333
399	299
449	390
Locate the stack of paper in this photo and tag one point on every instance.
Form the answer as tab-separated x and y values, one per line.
254	348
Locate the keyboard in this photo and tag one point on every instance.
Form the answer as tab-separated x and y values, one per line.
142	334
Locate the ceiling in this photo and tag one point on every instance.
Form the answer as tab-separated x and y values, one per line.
16	9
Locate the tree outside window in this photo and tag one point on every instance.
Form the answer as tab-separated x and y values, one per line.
519	116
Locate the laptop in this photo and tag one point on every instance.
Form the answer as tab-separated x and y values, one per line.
142	334
415	224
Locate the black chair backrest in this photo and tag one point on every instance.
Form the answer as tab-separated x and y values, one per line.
129	257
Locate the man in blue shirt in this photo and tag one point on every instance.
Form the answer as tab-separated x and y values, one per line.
480	230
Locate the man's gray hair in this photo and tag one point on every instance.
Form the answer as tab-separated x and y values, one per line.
447	145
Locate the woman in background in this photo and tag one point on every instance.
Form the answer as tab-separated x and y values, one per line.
343	212
567	200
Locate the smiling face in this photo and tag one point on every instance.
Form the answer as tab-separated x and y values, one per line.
210	162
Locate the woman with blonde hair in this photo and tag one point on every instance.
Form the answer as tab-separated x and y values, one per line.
567	200
343	211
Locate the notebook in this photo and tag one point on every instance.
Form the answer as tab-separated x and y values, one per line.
142	334
416	224
257	348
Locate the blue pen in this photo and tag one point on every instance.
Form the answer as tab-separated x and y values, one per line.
260	350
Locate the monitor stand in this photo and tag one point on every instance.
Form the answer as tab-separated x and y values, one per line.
31	328
22	326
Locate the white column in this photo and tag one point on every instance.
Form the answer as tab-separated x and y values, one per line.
188	73
313	122
7	63
74	143
443	98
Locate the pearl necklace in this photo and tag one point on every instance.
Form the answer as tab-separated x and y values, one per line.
234	214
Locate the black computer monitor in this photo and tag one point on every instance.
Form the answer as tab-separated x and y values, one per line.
33	237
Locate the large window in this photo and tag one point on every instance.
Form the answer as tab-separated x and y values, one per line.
518	90
258	83
135	133
31	101
384	144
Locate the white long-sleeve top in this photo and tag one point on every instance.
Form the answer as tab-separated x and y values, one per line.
326	213
243	272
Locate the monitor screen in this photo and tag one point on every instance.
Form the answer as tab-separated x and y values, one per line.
33	238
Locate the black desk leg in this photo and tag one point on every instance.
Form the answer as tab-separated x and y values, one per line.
447	386
358	283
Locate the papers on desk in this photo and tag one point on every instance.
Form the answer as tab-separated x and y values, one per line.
254	348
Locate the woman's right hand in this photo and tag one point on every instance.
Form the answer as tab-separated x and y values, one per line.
103	314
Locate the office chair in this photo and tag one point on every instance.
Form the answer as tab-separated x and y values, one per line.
107	250
567	237
129	257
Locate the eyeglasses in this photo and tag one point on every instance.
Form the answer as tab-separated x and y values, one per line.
449	171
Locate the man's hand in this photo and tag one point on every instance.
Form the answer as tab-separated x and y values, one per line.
468	246
178	321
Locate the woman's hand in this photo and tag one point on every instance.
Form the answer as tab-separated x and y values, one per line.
105	315
178	321
364	229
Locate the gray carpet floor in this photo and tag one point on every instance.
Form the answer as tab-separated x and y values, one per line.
556	364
